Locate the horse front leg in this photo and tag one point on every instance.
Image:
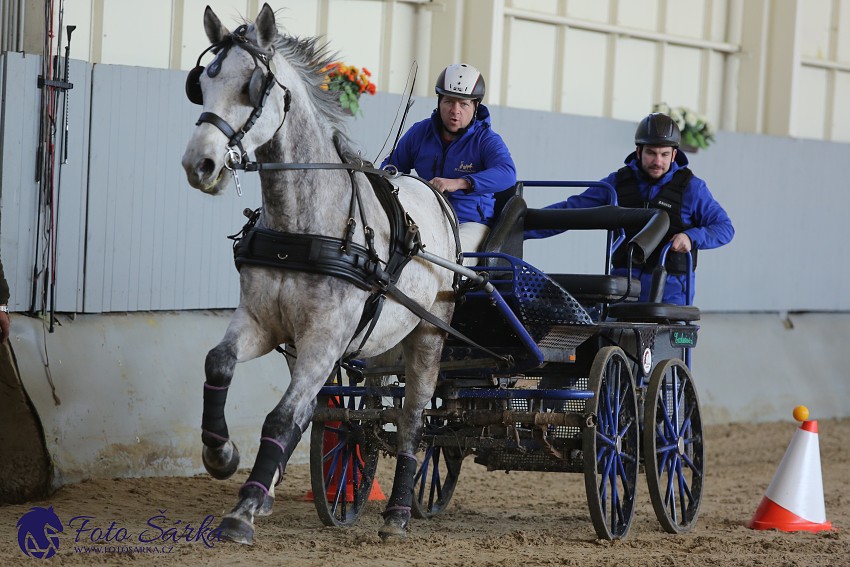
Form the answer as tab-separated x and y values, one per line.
282	430
422	351
220	455
244	340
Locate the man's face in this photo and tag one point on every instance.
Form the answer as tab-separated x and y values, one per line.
456	113
655	160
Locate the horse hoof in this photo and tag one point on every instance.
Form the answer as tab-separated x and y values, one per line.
266	506
222	462
234	529
393	529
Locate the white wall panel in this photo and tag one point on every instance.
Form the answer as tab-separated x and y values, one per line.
79	13
634	66
591	10
682	76
686	18
841	109
842	22
530	77
543	6
713	99
811	103
585	77
354	29
296	17
640	14
402	48
719	13
127	30
816	29
194	39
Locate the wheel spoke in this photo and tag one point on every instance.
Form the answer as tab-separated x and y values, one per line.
342	463
673	446
436	477
610	478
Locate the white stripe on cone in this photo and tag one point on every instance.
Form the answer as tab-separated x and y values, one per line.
797	485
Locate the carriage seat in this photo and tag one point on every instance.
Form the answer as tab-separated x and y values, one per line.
653	312
506	236
593	288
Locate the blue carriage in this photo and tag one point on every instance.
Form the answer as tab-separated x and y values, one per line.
560	373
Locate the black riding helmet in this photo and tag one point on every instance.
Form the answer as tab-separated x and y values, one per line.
658	130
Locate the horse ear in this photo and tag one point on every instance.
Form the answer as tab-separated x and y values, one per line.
213	26
266	27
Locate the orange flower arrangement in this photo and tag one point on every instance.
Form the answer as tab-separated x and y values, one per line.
350	82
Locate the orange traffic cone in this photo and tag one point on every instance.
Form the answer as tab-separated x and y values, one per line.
330	439
794	500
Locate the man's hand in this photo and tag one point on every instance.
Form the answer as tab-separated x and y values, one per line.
5	326
680	243
444	185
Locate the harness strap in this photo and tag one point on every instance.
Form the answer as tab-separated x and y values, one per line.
234	138
402	247
359	165
309	253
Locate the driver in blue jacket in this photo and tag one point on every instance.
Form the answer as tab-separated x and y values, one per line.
458	152
656	175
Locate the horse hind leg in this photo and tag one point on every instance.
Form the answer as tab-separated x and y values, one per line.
422	351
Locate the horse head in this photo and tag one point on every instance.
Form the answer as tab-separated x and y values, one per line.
244	100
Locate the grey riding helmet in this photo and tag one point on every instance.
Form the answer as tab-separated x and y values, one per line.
461	81
658	130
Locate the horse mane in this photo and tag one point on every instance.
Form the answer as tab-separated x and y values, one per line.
310	56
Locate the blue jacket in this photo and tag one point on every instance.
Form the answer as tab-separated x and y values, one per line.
479	155
711	226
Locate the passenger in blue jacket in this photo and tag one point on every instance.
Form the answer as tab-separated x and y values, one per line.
656	175
458	152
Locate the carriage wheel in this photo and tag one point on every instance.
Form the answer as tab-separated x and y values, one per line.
610	444
343	460
674	455
438	472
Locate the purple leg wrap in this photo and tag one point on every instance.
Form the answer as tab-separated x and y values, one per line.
402	495
213	425
269	460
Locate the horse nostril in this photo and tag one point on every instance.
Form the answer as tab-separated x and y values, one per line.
205	167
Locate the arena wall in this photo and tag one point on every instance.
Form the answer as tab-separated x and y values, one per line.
126	393
145	265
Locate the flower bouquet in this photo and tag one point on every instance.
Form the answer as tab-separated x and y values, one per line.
696	130
350	82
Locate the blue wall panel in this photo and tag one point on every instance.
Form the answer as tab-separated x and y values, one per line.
134	236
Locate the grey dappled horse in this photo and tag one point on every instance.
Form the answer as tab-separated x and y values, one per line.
262	93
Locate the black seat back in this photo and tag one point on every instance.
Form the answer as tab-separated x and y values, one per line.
507	233
502	198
